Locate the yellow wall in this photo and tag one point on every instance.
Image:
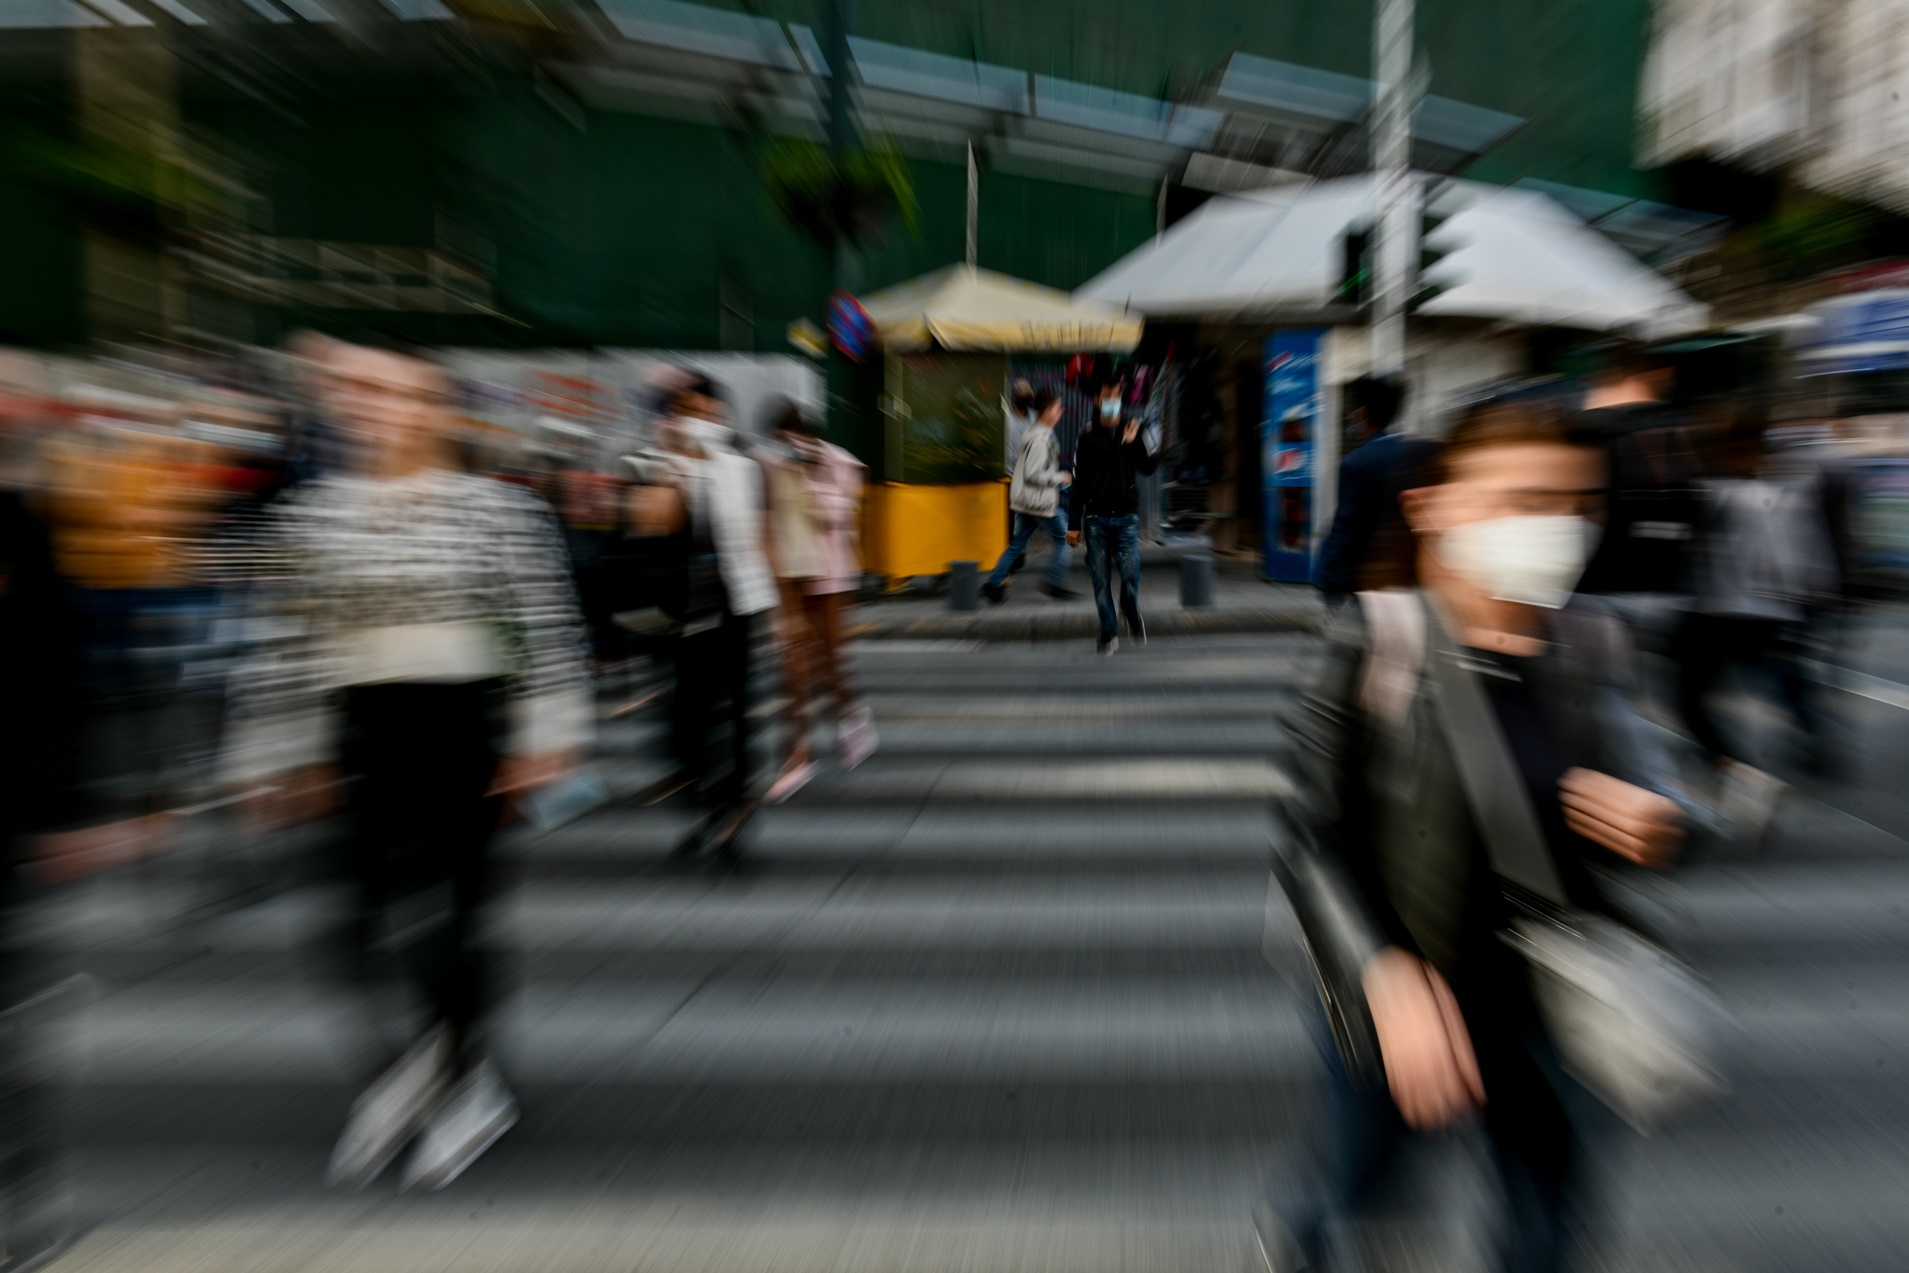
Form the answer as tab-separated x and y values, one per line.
918	530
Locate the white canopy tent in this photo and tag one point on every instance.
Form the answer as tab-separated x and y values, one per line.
1511	254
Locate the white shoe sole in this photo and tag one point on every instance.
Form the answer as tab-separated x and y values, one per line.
442	1175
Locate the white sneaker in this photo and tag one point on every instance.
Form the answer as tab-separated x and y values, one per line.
390	1111
858	737
1109	646
470	1120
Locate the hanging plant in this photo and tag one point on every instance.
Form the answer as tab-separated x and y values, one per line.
850	195
120	190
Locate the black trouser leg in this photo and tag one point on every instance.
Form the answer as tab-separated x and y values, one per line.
421	758
1702	654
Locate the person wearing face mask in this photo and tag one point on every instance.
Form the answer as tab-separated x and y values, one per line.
1106	508
1503	535
708	500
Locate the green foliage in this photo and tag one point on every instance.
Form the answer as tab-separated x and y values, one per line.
851	195
1810	233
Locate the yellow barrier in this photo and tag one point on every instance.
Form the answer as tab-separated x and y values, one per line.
918	530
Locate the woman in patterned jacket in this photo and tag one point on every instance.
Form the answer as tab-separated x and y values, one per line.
420	650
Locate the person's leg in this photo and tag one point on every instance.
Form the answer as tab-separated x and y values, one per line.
1098	569
1024	527
1057	564
825	610
1364	1133
1537	1155
1129	544
733	650
798	672
457	972
1701	658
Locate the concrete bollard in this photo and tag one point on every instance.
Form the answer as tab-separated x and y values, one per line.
1196	580
964	585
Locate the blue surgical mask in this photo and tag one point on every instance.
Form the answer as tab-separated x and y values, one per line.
1110	408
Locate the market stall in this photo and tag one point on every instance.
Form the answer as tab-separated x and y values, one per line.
926	411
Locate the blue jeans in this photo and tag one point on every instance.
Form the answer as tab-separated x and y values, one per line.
1025	524
1530	1120
1117	537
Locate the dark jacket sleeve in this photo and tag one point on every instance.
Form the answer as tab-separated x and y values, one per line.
1352	523
1084	478
1329	813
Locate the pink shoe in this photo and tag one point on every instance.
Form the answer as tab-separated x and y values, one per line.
858	738
791	781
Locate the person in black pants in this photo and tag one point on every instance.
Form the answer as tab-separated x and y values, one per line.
706	499
426	654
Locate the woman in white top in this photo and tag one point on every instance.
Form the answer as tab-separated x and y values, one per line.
418	638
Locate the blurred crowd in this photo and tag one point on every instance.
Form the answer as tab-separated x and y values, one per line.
320	587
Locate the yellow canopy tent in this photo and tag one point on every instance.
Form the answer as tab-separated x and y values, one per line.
945	338
965	308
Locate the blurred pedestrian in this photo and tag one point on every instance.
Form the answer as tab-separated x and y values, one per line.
1106	508
709	500
1765	562
1654	501
1021	416
1413	939
815	507
1034	498
40	715
426	650
1369	545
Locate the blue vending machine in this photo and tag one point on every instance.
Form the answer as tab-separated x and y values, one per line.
1289	429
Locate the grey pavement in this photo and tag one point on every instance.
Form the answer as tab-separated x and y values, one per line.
999	999
1242	602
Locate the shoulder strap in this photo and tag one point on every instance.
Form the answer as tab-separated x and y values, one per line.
1395	653
1493	786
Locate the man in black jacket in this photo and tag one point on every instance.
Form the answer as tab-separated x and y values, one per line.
1105	505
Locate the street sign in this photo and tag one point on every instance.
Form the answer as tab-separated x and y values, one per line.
850	327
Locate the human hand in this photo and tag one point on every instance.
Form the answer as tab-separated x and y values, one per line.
1073	539
1429	1063
1628	820
1131	432
1067	479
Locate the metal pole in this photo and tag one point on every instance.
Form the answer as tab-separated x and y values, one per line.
974	205
1396	253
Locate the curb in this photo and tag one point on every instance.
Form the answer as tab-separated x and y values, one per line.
1079	626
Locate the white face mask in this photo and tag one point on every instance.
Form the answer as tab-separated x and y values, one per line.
1109	408
1534	561
701	433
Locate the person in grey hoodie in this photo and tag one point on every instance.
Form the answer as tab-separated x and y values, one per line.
1035	498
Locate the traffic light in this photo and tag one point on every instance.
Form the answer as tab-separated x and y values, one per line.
1355	267
1433	244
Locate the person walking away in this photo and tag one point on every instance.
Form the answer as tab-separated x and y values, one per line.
815	503
1765	562
710	499
427	649
1034	498
1106	503
1369	545
1503	533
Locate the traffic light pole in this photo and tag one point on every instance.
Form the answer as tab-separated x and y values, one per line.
1397	194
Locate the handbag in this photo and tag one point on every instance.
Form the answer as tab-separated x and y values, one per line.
1632	1022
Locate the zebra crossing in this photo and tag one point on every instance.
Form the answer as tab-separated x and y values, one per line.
995	1000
